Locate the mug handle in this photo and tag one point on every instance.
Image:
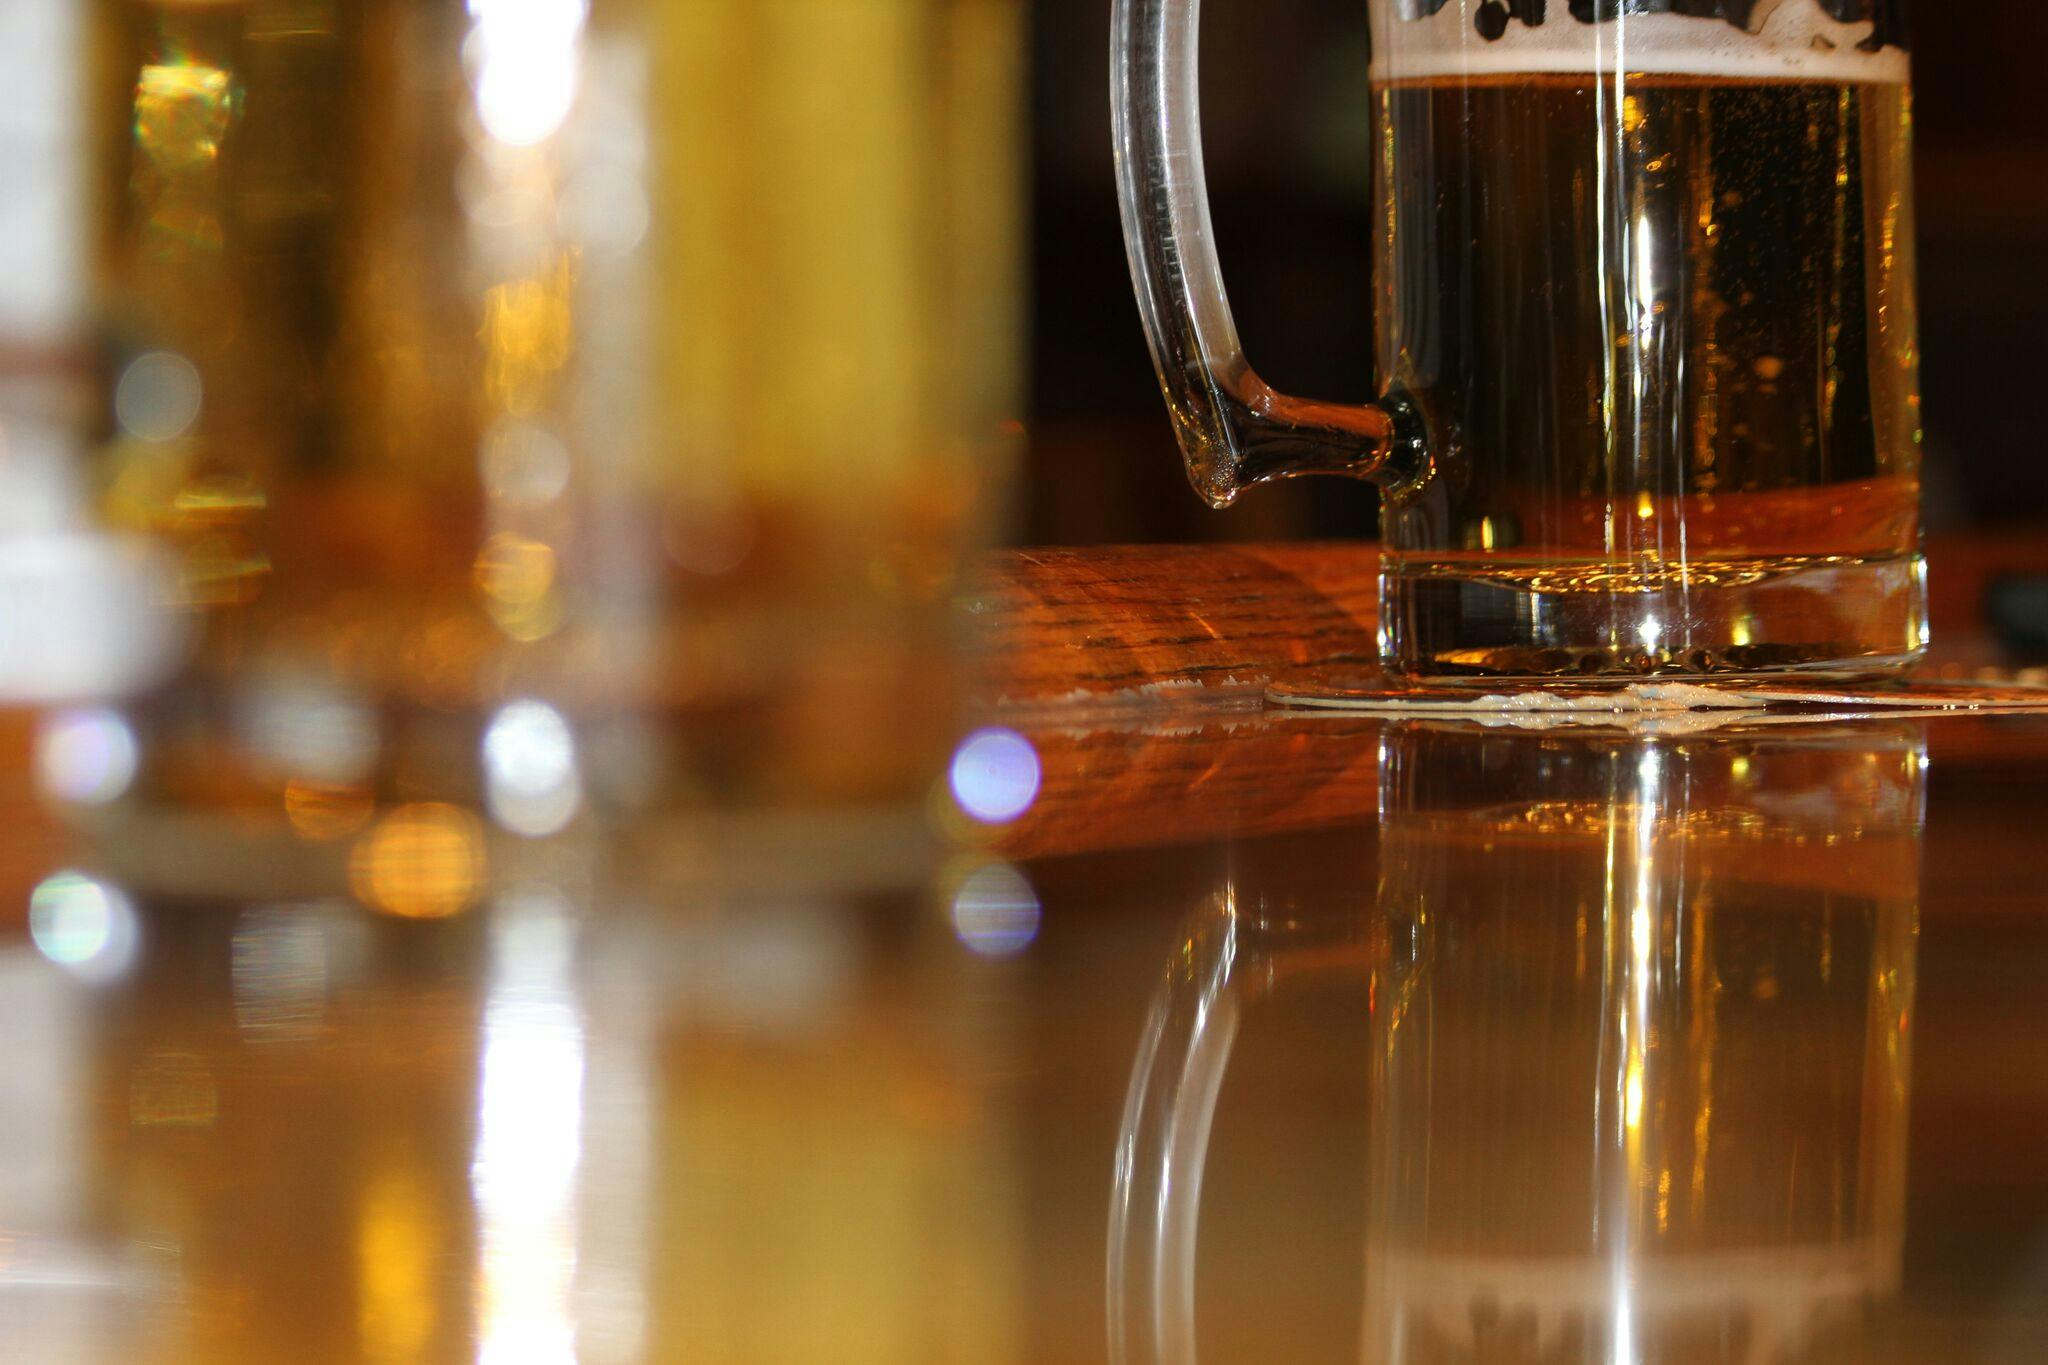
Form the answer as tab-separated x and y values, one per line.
1234	429
1156	1195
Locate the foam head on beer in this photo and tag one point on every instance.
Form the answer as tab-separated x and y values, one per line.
1818	40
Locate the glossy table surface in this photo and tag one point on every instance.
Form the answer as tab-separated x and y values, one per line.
1458	1043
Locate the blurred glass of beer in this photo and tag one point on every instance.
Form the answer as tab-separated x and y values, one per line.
556	406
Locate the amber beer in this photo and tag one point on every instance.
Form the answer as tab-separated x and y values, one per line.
1648	276
1703	387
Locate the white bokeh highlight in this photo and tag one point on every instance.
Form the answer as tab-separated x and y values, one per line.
86	757
995	776
533	784
84	925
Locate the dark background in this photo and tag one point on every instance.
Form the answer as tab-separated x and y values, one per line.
1286	121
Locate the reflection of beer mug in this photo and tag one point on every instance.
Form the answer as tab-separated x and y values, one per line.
1646	332
1639	1018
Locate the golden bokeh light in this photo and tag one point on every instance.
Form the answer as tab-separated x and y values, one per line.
516	575
325	811
182	113
422	861
515	570
527	331
530	620
227	499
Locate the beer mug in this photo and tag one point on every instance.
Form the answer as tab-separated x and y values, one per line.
544	421
1646	347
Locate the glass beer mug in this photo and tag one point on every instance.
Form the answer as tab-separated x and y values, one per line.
1646	342
545	421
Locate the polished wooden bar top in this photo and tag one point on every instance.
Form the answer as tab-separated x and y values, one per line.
1457	1042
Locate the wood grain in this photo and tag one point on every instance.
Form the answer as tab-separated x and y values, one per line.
1148	626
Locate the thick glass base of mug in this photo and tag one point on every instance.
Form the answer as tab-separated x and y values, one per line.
1835	616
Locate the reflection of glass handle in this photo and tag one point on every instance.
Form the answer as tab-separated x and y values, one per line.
1172	1101
1165	1139
1234	429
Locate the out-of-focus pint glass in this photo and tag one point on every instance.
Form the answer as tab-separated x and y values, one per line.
555	406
